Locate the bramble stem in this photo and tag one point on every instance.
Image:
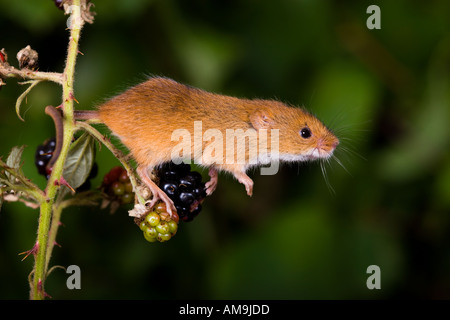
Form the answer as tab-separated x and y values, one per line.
44	251
117	153
8	71
57	210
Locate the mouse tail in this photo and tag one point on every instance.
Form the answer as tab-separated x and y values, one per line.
90	115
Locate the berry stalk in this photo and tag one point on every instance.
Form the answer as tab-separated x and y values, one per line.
117	153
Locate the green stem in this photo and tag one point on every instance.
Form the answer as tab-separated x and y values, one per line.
40	268
117	153
56	217
87	198
7	71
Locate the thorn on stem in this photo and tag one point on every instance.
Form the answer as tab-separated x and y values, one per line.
32	251
40	289
63	182
73	97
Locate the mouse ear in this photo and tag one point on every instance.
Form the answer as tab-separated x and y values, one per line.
261	119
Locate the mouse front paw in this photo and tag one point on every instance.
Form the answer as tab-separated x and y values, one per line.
211	185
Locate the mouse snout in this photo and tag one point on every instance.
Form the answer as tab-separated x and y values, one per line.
327	143
335	143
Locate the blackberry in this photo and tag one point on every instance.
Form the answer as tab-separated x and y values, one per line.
184	187
43	154
170	188
186	198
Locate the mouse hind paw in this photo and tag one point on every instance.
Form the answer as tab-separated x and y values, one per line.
157	193
246	181
162	196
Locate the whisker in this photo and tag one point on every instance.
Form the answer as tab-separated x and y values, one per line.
339	162
351	152
325	176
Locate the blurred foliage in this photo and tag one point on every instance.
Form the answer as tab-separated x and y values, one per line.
385	92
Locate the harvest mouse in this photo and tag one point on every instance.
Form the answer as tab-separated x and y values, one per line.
146	116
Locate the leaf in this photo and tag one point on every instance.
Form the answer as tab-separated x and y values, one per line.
23	95
14	160
79	161
14	186
14	157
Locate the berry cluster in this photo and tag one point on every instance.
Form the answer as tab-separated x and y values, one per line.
116	184
157	225
43	154
184	187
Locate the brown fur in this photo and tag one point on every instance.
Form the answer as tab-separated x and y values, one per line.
145	116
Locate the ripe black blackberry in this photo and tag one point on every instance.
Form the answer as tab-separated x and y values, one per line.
43	154
184	187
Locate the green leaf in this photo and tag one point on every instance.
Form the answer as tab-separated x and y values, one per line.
79	161
14	160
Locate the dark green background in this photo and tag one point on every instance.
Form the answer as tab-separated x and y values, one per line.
386	93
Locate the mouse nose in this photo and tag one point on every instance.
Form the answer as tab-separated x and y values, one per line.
335	143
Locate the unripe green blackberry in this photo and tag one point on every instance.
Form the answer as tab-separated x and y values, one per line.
127	198
150	234
152	219
162	227
157	225
163	237
117	186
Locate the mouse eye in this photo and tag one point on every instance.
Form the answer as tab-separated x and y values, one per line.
305	133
